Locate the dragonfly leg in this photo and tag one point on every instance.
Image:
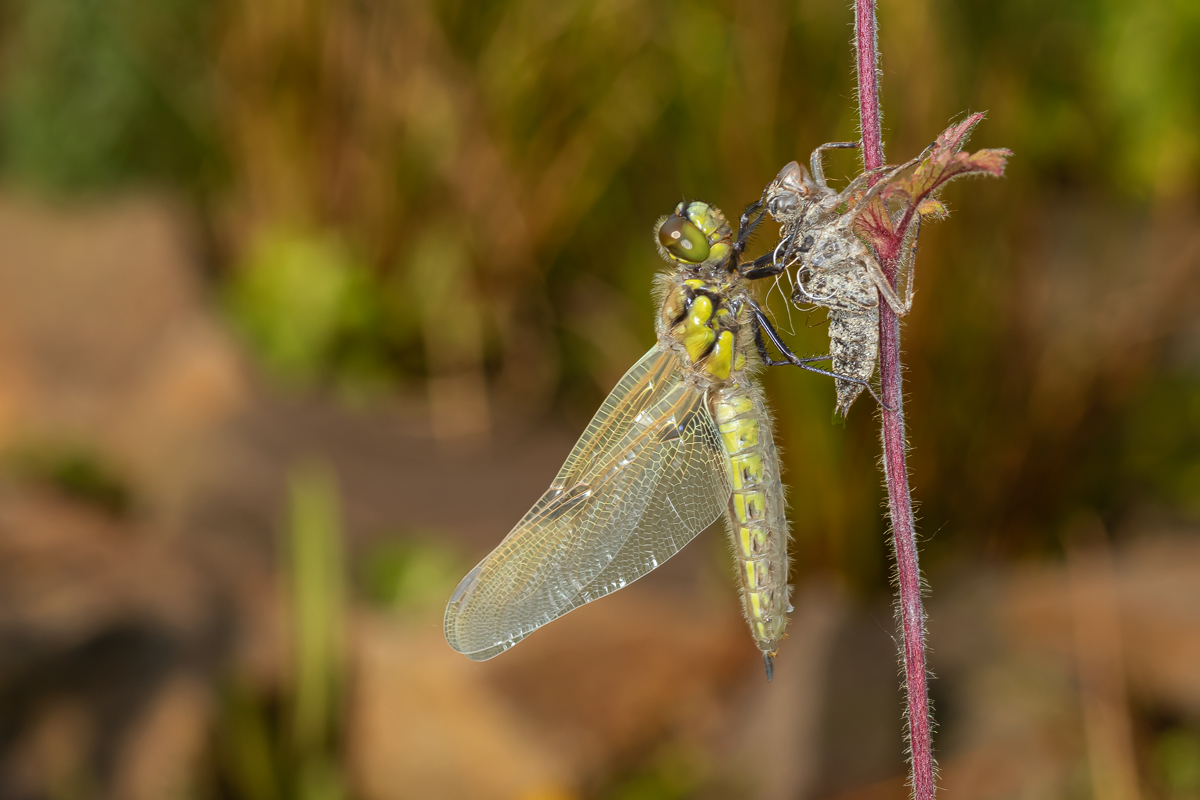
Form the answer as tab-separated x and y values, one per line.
765	266
748	223
763	325
756	206
818	160
758	267
904	274
907	269
790	358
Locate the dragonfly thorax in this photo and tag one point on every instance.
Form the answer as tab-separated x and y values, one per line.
704	320
703	302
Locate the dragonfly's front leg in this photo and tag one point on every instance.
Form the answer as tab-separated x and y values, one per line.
749	222
770	264
765	266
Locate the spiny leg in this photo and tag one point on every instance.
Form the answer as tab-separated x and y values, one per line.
791	359
763	325
768	266
746	228
765	266
744	222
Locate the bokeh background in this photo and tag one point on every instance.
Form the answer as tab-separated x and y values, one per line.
303	302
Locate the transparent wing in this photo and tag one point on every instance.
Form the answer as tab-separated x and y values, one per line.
648	474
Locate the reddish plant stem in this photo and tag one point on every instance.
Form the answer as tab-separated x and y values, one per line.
895	468
867	50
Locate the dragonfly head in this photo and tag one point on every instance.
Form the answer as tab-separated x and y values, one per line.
695	235
791	190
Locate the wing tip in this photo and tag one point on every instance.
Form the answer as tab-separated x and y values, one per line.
480	653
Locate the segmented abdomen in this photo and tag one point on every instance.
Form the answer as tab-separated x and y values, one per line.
853	303
756	515
854	345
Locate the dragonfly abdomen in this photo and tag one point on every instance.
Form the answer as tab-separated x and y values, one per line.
756	513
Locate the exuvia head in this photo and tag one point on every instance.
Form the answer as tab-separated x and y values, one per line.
695	235
792	188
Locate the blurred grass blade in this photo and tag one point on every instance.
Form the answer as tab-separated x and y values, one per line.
314	544
247	749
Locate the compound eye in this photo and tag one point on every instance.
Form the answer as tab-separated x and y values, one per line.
682	239
783	204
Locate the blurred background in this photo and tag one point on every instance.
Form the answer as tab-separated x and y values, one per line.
303	303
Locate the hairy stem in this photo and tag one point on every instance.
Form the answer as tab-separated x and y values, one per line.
895	469
867	50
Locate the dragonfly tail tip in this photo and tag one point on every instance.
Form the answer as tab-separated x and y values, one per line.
769	664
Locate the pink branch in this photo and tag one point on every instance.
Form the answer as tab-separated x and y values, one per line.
895	469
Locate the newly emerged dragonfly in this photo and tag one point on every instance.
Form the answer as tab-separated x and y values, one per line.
684	437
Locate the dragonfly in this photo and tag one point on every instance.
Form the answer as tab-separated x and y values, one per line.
684	438
834	268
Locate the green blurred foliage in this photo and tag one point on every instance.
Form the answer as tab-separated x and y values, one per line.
1096	91
309	308
1177	762
673	773
460	196
98	94
412	573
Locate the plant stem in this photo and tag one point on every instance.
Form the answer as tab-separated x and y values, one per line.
895	468
867	49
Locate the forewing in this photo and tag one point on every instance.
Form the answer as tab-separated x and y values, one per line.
648	474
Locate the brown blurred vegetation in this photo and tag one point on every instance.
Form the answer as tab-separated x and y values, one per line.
291	283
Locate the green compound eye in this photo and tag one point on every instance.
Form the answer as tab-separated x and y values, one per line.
683	239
